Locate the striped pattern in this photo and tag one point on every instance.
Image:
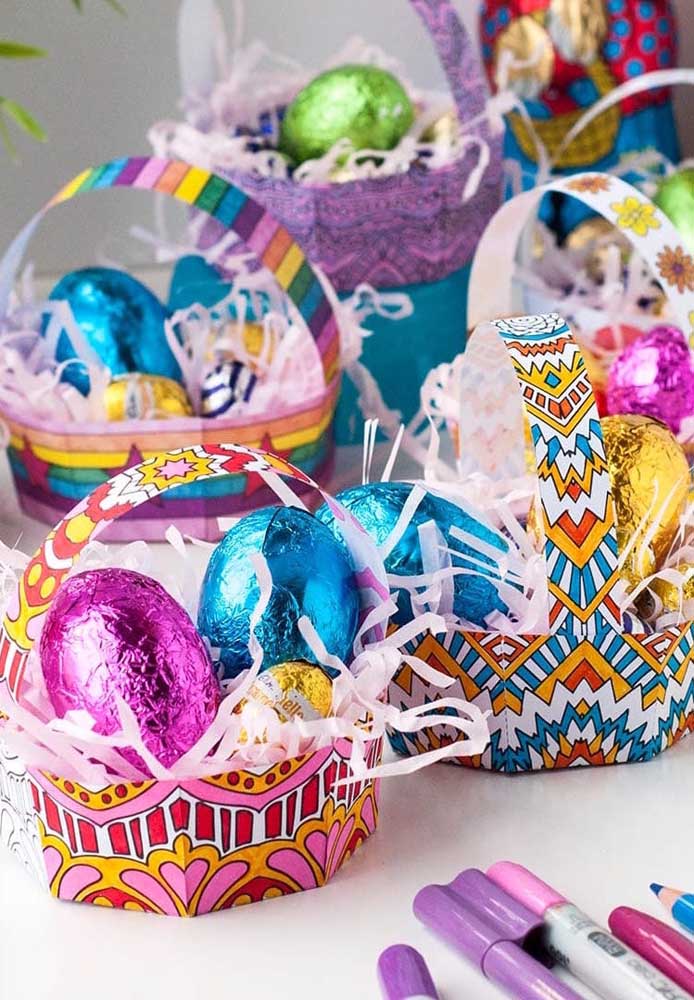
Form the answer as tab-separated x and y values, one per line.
226	203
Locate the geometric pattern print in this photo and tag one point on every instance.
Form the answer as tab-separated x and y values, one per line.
19	831
205	845
574	482
586	693
124	492
229	206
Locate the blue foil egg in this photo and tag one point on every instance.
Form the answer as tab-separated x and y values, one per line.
121	319
377	507
311	575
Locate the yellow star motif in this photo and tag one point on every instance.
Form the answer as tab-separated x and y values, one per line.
174	469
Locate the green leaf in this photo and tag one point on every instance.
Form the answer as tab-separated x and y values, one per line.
22	118
114	4
16	50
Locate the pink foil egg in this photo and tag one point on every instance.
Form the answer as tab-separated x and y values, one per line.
654	377
114	631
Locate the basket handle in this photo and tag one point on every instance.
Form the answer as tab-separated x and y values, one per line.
256	228
532	363
648	229
123	493
201	51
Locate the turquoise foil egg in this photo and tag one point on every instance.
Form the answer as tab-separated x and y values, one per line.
121	320
377	507
311	575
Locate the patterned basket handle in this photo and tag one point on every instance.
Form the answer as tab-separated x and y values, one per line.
124	492
581	546
200	37
256	228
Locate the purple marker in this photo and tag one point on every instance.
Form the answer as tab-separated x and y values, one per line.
403	975
489	927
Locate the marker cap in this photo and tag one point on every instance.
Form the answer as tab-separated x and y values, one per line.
527	888
403	974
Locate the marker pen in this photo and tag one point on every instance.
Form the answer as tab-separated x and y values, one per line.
403	975
589	951
658	943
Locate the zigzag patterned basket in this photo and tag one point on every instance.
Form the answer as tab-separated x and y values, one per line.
588	693
186	848
54	464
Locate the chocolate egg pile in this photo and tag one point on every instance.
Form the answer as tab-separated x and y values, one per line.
118	324
114	636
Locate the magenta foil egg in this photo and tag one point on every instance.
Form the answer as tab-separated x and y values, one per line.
654	377
114	631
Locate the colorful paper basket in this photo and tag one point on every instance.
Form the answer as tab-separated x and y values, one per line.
55	464
176	848
587	692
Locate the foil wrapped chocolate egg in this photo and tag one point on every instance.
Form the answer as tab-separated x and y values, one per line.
121	320
228	383
675	196
362	103
377	507
650	485
115	632
311	576
293	690
145	397
654	376
672	595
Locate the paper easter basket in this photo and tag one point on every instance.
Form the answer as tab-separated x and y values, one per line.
178	848
587	692
411	227
56	463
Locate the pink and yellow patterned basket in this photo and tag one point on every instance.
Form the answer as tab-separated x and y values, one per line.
177	848
56	464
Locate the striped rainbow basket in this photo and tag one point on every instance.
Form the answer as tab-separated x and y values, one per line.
56	464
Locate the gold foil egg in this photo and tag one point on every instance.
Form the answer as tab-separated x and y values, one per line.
650	485
527	42
578	28
136	396
672	595
293	690
446	128
596	236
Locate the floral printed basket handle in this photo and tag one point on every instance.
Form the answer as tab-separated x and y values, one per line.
223	201
649	230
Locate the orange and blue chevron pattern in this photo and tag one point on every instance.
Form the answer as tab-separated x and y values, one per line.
587	692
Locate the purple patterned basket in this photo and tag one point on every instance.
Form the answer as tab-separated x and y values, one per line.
407	228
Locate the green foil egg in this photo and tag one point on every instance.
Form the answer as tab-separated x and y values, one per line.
362	103
675	197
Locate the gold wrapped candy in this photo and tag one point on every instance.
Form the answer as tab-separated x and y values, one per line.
445	129
529	43
293	690
578	28
597	236
672	595
650	485
145	397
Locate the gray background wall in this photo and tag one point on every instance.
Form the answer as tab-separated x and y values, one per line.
109	77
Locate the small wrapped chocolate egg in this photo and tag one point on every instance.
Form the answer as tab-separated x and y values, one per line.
145	397
293	690
229	383
116	632
311	575
633	625
121	320
445	129
654	376
675	196
671	595
650	484
362	103
377	507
